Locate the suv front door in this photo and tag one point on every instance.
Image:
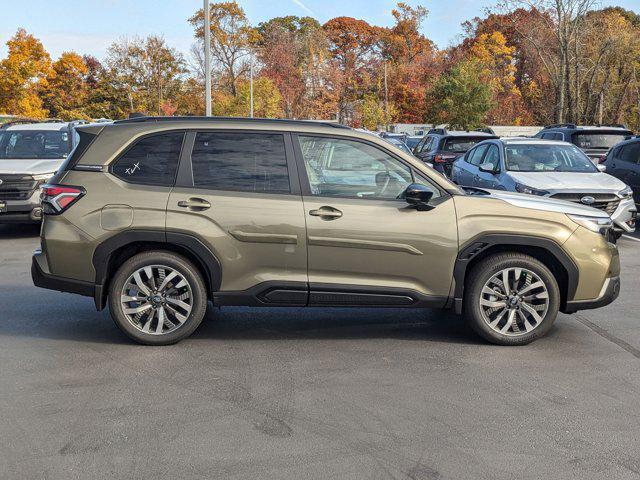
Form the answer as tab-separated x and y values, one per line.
238	192
366	246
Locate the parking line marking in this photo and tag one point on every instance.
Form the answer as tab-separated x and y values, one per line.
631	238
607	336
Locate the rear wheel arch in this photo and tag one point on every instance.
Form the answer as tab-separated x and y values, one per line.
112	253
545	250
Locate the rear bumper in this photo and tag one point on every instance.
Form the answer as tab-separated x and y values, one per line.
610	291
43	279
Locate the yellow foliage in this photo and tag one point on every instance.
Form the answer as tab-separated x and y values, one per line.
22	75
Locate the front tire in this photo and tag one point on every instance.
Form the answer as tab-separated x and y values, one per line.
511	299
157	298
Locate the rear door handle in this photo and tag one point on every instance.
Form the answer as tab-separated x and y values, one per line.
326	213
195	204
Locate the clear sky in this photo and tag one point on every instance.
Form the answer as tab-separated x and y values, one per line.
89	26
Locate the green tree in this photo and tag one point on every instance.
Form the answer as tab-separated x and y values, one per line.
147	71
461	97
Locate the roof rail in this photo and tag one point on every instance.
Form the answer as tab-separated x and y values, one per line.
232	119
25	121
560	125
488	130
613	125
437	131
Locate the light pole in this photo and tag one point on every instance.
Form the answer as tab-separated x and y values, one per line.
251	87
207	58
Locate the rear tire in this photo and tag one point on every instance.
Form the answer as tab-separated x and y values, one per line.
157	298
518	314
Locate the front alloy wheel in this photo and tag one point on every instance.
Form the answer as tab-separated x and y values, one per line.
514	301
511	298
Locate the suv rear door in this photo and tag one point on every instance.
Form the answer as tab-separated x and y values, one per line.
238	192
364	244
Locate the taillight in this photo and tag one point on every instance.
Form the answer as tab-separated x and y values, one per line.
441	158
56	199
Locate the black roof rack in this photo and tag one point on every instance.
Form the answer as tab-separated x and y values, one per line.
560	125
232	119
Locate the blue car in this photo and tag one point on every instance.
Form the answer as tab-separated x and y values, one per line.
546	168
623	162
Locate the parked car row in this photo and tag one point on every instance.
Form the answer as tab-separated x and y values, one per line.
563	161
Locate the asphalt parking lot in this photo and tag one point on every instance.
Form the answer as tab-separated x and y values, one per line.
280	393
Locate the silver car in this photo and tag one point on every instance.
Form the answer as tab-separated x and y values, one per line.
30	154
546	168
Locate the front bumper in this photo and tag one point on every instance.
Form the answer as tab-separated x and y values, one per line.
624	218
610	291
22	211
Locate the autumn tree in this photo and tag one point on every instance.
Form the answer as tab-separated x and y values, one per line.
266	100
67	92
291	51
411	60
23	75
498	70
353	46
230	40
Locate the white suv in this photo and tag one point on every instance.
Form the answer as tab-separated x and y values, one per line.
30	153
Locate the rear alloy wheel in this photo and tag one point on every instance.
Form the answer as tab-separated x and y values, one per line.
511	299
157	298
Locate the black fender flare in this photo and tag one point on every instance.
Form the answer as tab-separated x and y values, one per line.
482	242
103	253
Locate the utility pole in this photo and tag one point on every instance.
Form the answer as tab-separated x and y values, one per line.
251	86
207	58
600	108
386	100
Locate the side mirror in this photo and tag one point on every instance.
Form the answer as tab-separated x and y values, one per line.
418	195
488	168
602	168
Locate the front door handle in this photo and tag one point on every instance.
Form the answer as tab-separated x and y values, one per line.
326	213
195	204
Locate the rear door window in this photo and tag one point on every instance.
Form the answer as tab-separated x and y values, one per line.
239	161
152	160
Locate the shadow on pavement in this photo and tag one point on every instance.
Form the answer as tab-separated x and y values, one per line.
19	230
79	323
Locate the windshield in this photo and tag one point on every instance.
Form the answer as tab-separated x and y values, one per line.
547	158
32	144
460	144
598	140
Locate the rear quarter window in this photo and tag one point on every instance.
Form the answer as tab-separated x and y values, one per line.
151	160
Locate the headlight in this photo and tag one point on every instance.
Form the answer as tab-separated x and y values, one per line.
530	190
43	176
626	192
595	224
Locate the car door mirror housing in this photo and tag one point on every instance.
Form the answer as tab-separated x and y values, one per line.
488	168
418	195
601	167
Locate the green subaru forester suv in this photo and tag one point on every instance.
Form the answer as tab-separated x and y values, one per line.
158	216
